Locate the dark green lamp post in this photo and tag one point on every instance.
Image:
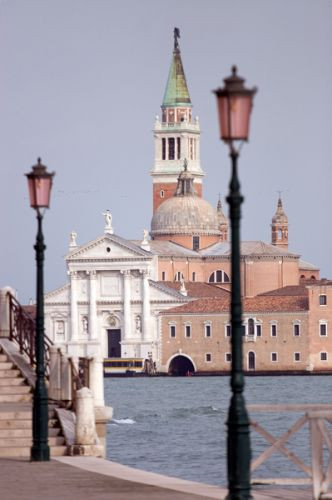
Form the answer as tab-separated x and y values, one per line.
40	183
234	107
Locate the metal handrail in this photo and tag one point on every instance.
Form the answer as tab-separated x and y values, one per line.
22	330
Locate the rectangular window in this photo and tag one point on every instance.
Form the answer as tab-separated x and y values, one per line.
194	276
228	357
208	357
323	356
188	331
178	140
195	243
171	148
228	330
297	356
259	330
163	145
322	300
191	149
207	330
274	356
296	330
323	329
163	276
172	331
273	330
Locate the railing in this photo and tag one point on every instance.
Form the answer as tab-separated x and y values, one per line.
316	416
22	328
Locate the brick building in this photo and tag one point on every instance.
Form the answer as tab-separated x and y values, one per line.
283	330
123	297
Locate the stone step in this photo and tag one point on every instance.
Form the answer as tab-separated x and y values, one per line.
3	358
16	415
15	433
11	381
19	389
15	398
24	451
27	441
26	431
6	425
6	365
10	373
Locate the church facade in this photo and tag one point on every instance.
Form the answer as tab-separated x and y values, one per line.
119	291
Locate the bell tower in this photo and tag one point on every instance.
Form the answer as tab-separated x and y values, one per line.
176	135
279	227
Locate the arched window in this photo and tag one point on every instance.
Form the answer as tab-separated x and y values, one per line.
219	276
251	327
251	360
162	193
279	234
178	276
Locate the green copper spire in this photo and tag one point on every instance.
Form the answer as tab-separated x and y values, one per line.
176	93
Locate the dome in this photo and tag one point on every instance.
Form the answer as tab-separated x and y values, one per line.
185	214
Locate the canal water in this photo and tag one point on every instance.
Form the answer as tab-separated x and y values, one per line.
176	426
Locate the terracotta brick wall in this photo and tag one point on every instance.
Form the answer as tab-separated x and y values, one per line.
285	344
169	189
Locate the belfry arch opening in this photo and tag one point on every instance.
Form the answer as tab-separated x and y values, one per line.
181	366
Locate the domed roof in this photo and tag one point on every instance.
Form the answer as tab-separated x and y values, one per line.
185	212
280	217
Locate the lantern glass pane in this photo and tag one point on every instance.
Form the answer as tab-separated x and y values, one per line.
43	190
240	107
234	114
32	194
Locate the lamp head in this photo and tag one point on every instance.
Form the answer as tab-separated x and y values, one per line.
40	184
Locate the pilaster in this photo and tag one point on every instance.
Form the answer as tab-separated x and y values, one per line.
73	305
126	304
93	333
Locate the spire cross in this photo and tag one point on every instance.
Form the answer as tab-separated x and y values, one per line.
176	37
279	192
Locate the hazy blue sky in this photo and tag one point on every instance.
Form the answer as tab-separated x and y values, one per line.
80	85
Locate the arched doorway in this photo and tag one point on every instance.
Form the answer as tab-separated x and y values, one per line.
251	360
181	366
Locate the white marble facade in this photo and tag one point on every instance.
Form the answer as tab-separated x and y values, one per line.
111	286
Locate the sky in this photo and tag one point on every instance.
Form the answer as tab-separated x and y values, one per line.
82	80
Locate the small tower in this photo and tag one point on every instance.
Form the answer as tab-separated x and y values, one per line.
176	135
279	227
223	222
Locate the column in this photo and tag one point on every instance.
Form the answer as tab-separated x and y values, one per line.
93	333
73	306
126	304
146	304
96	375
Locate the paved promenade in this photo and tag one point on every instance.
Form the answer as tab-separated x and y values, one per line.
71	478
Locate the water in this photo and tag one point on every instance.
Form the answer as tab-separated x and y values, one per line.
176	426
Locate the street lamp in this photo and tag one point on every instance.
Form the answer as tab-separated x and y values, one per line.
40	183
234	107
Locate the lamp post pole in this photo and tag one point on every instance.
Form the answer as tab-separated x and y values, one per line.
234	106
40	183
40	450
238	440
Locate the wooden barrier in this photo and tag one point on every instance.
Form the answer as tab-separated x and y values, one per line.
316	416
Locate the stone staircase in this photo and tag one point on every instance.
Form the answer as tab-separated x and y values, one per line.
16	415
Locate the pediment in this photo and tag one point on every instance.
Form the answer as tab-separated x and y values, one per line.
107	247
59	295
160	292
